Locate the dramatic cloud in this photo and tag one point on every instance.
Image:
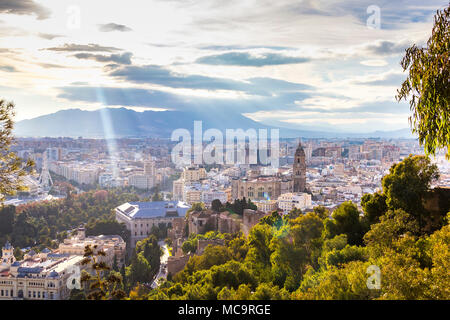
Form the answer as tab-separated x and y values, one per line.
249	60
113	27
24	7
152	74
217	57
109	96
124	58
92	47
393	14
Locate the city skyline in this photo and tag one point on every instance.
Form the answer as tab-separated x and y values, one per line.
299	64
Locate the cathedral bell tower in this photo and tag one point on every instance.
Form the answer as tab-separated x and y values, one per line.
299	170
7	255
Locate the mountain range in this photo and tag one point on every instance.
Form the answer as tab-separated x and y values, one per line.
122	122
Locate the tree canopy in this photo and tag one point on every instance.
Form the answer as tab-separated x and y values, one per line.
428	88
12	167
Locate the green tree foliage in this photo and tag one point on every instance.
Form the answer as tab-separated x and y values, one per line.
145	262
38	223
196	207
107	227
216	205
12	167
100	288
322	212
427	84
190	245
239	205
295	213
406	185
374	206
7	214
157	196
315	256
346	220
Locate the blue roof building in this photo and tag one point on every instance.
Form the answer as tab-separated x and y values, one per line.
140	217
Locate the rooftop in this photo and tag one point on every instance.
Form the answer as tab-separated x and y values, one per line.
139	210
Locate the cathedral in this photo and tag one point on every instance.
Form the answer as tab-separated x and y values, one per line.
299	170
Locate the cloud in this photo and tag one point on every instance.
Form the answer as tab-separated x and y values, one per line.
153	74
52	66
24	7
124	58
136	97
113	27
374	63
49	36
92	47
8	69
248	60
388	79
385	48
393	14
242	47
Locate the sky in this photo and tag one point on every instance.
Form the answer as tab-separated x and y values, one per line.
306	64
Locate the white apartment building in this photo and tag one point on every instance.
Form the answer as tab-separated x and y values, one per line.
291	200
266	205
75	171
192	174
178	188
192	195
141	181
209	195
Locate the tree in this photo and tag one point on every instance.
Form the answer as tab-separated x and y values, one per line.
406	185
374	206
216	205
157	195
346	221
7	214
322	212
139	271
197	207
108	288
295	213
428	86
11	168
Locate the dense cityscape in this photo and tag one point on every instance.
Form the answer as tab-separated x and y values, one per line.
224	156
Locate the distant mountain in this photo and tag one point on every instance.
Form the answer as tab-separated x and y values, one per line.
122	122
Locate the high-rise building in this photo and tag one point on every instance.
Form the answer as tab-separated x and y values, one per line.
299	170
